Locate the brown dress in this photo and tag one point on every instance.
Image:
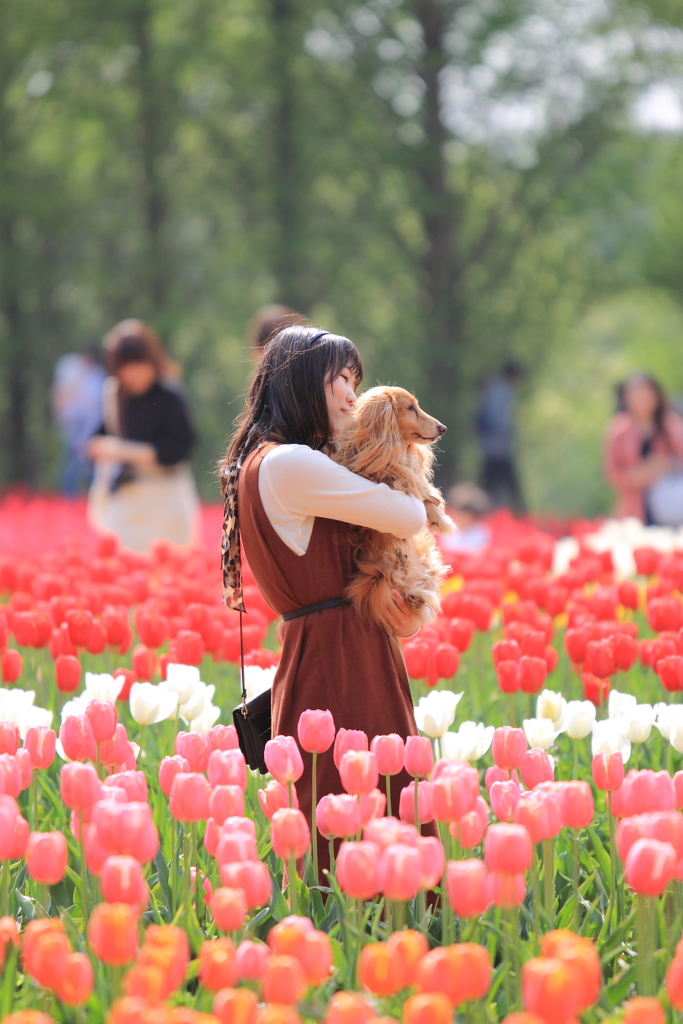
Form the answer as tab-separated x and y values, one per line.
330	659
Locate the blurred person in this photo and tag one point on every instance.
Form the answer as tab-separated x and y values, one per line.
77	409
467	506
643	453
143	488
269	321
496	430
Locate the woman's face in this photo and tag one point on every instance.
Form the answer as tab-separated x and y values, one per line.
640	399
341	398
137	378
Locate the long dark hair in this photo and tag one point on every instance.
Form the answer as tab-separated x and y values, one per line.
286	398
662	404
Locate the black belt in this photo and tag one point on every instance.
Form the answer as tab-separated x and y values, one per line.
334	602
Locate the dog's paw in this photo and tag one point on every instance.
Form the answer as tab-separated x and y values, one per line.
437	519
414	601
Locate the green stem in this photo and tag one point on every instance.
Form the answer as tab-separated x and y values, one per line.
331	846
34	799
641	934
314	803
387	783
84	868
290	792
575	876
416	804
187	875
612	858
293	902
174	868
575	773
4	899
549	878
446	909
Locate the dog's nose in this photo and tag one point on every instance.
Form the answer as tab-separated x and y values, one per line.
440	427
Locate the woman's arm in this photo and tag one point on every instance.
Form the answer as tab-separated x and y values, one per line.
626	470
304	482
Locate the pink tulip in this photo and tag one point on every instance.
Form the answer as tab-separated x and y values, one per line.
372	805
235	848
316	731
469	831
9	738
168	769
19	839
228	768
348	739
95	853
540	813
253	878
77	738
118	751
536	768
275	796
9	812
250	960
103	718
283	759
47	857
122	881
357	865
608	771
195	747
399	872
321	817
133	783
212	833
406	808
432	861
190	795
126	828
40	743
508	747
289	833
650	866
385	831
223	737
79	785
226	802
508	849
496	774
236	824
507	891
23	759
342	816
504	797
11	781
453	794
358	772
390	752
468	885
576	804
419	758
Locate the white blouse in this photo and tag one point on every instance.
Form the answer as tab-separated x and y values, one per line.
296	484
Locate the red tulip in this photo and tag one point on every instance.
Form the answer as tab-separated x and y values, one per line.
190	796
46	857
389	751
664	614
128	680
508	676
97	643
508	747
151	626
600	658
11	665
195	747
113	932
399	872
68	673
447	661
40	743
508	849
24	628
575	643
670	671
122	881
608	771
625	651
189	647
229	909
357	865
650	866
358	772
468	887
144	662
419	757
532	673
348	739
79	621
316	731
77	738
506	650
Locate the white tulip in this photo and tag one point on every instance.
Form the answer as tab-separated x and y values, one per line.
609	737
579	719
540	732
640	723
14	704
206	720
201	697
103	686
33	717
620	704
150	704
553	706
182	679
436	712
75	706
257	679
676	734
469	743
666	714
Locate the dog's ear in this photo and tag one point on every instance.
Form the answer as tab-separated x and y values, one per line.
376	419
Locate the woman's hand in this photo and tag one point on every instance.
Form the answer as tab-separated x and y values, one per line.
116	449
402	621
105	449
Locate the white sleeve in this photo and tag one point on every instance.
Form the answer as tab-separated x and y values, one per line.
304	482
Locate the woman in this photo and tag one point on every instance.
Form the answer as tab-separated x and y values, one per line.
295	506
143	488
644	443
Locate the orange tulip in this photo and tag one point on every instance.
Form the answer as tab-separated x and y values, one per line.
283	980
348	1008
27	1017
45	950
113	932
236	1006
135	1010
549	988
582	955
428	1008
76	983
644	1010
674	981
408	947
278	1013
217	964
378	970
461	972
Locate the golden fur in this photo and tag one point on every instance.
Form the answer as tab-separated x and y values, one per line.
389	440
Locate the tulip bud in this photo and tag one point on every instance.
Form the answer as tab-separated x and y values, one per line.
67	672
316	731
358	772
76	982
540	813
356	869
223	737
372	805
432	861
9	738
650	866
462	972
113	931
217	964
549	989
378	970
275	796
226	802
235	1006
342	816
390	752
283	980
250	960
253	878
419	757
469	831
576	803
406	808
508	849
504	797
453	794
11	666
427	1008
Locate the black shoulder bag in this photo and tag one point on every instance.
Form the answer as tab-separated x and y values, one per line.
252	720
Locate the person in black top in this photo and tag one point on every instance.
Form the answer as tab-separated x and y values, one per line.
143	488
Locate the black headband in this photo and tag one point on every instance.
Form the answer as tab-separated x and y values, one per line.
315	337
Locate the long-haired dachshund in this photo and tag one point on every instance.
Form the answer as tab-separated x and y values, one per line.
389	440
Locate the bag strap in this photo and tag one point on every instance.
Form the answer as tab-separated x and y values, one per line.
245	709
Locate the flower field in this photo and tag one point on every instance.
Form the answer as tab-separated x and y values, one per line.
147	876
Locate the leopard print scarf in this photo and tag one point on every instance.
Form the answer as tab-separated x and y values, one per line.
231	552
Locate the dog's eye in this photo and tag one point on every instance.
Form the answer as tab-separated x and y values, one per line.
411	408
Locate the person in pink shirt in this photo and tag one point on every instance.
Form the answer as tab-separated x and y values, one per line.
644	442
